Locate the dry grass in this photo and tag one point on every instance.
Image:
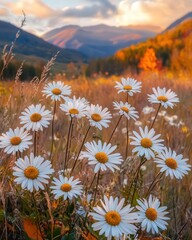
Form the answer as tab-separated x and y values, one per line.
16	96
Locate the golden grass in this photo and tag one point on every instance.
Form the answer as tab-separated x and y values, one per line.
16	96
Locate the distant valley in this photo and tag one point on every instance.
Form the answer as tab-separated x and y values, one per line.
99	40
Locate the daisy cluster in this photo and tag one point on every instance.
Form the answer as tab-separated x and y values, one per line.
112	218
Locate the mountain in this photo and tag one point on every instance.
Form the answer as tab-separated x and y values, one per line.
30	45
99	40
180	20
170	50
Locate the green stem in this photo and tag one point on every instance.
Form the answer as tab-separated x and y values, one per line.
114	129
68	140
71	136
35	143
80	149
155	116
127	137
37	216
94	199
135	180
153	184
52	130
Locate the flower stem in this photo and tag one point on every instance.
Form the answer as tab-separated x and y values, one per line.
135	180
68	140
35	143
115	129
155	116
98	175
69	148
153	184
80	149
52	130
127	138
127	135
38	219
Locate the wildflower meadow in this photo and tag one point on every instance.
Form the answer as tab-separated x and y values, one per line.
92	159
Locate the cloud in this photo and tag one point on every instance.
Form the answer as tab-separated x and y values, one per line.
31	8
158	12
97	8
3	11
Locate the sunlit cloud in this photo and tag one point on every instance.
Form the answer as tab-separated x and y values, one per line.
34	8
44	15
158	12
3	11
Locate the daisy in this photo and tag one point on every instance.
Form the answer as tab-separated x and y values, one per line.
56	90
126	109
151	215
15	140
172	164
101	156
114	220
163	97
146	143
32	172
74	108
82	100
129	86
35	117
98	117
66	187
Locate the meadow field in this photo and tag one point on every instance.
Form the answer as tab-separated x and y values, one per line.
31	214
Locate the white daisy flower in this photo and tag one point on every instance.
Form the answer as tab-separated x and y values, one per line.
66	187
126	109
129	86
98	117
146	143
15	140
74	108
82	100
166	98
56	90
35	117
114	220
100	155
148	110
32	172
151	215
172	164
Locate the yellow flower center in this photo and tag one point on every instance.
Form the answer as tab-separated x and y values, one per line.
35	117
101	157
151	214
125	109
127	87
15	140
66	187
73	111
146	143
31	172
171	163
56	91
96	117
162	98
113	218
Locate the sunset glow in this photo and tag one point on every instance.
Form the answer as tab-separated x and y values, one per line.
53	14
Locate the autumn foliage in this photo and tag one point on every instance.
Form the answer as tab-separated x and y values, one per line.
149	61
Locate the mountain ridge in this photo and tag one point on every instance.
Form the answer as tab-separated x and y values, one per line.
171	50
178	21
29	44
98	40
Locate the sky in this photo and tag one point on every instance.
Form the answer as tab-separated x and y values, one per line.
45	15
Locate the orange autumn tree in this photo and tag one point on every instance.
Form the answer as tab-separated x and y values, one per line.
149	61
